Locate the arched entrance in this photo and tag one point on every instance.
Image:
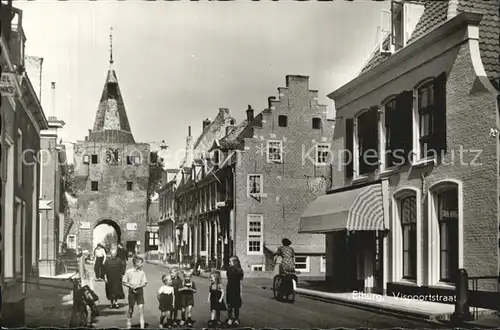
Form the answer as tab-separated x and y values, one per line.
107	232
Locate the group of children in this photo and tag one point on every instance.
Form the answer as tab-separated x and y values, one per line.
177	294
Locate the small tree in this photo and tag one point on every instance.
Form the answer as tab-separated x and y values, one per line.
109	240
155	174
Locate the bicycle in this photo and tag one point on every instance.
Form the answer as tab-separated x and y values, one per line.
83	299
281	291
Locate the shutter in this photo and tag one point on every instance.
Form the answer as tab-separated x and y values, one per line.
402	126
349	146
438	139
406	124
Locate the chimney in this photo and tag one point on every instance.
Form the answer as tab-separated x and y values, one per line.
206	122
53	90
249	113
452	9
189	130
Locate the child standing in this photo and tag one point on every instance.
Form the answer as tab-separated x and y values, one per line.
166	299
176	284
233	290
215	299
135	280
187	291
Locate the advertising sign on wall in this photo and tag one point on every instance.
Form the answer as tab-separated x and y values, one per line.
7	84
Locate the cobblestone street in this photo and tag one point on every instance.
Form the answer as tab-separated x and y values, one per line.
259	310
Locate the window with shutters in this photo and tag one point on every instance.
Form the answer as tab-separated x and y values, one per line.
348	157
398	116
431	114
367	142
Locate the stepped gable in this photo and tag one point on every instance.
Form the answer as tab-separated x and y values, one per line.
111	122
435	14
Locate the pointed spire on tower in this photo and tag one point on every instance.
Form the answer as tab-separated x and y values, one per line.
110	46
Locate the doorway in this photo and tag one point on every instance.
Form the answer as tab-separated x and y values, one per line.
378	266
131	247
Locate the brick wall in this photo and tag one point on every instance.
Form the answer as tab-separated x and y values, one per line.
471	112
113	201
284	183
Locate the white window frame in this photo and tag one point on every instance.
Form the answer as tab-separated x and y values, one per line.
433	230
269	143
322	264
86	159
397	235
317	153
355	146
253	268
307	264
252	218
416	123
261	183
19	147
9	215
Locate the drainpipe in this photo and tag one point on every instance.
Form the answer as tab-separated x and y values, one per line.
233	169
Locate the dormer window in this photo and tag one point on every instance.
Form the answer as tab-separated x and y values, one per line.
398	24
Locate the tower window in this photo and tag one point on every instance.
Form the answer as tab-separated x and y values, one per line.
129	185
316	123
94	185
282	121
95	159
112	91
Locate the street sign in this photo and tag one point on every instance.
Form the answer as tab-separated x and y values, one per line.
132	226
85	225
7	84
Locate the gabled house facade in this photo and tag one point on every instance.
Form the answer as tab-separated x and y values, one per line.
21	120
416	195
198	225
166	222
268	169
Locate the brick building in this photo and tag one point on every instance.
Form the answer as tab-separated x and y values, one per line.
22	119
264	173
111	175
420	198
52	206
166	222
193	193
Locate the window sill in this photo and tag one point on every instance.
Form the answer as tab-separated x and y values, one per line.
404	281
422	163
254	253
389	171
360	179
443	285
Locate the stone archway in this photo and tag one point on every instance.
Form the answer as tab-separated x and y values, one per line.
106	232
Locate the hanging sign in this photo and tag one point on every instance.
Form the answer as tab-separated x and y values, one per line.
85	225
7	84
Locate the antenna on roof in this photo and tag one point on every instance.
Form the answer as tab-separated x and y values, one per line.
111	46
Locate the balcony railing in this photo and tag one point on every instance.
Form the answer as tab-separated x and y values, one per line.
484	292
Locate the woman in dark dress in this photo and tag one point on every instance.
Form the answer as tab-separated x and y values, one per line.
233	291
113	270
123	255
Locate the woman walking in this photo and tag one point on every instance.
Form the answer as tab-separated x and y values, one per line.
100	258
287	265
233	291
113	271
123	255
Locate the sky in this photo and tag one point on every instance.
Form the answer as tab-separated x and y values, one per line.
177	63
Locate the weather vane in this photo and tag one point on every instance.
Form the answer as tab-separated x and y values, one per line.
111	46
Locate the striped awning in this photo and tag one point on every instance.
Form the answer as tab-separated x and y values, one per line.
356	209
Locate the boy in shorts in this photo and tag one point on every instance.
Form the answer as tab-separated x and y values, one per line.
135	280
